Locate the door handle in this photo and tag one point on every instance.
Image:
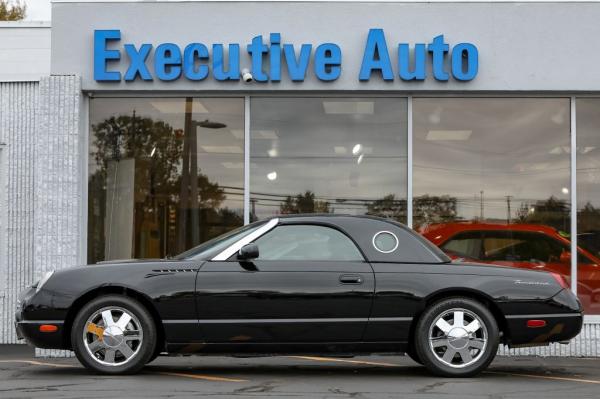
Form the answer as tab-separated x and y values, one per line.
351	279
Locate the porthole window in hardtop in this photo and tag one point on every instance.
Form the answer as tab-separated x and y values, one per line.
385	242
307	242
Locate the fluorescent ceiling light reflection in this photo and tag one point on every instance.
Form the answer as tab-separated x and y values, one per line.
448	135
233	165
222	149
272	176
360	159
237	133
264	134
349	107
356	149
565	190
273	152
177	106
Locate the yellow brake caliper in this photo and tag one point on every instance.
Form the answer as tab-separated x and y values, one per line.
96	330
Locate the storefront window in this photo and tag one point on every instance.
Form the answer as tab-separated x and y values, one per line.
492	178
165	174
588	202
328	155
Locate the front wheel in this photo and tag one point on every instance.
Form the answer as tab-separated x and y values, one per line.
113	334
456	337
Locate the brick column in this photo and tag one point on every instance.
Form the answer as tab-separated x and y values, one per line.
58	201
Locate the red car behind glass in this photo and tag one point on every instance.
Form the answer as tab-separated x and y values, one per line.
526	246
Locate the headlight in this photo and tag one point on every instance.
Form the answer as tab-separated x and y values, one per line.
43	281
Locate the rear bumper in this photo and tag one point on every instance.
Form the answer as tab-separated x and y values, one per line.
558	328
564	321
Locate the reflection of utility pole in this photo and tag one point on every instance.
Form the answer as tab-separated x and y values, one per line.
184	192
508	216
481	205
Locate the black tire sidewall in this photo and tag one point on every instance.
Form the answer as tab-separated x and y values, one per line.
422	337
131	305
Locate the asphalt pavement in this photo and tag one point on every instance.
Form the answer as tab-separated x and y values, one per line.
24	376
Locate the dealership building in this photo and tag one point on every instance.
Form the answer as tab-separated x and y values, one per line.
139	129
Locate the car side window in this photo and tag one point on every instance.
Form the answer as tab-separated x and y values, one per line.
467	244
307	243
520	247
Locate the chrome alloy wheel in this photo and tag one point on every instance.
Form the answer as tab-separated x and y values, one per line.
458	338
112	336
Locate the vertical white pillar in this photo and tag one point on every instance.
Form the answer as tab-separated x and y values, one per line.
409	161
573	195
246	159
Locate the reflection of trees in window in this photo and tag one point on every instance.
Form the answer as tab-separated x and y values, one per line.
551	212
588	218
426	209
303	203
160	182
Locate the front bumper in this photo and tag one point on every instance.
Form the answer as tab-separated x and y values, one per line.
29	330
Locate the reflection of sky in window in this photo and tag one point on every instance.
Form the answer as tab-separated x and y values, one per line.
516	147
220	151
345	150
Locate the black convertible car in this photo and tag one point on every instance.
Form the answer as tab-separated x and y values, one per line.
299	284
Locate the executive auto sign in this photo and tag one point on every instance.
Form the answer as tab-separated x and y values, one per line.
195	62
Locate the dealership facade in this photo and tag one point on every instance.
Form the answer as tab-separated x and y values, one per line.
141	129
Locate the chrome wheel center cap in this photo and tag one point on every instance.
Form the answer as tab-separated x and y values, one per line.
113	336
458	338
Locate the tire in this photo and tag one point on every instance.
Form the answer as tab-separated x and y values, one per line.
451	348
410	352
125	346
157	351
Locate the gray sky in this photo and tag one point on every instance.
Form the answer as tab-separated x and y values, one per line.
39	10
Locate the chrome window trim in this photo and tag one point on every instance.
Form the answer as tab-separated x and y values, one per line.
386	232
235	247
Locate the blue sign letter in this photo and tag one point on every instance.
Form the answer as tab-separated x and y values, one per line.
233	71
102	55
469	51
137	63
193	52
328	58
418	73
167	61
376	56
275	54
297	67
439	49
256	51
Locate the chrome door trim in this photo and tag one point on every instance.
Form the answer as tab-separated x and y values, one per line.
235	247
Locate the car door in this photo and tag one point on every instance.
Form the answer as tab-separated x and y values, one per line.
310	283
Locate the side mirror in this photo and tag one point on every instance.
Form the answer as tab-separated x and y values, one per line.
565	257
248	252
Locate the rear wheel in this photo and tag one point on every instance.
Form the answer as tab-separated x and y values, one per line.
113	335
457	337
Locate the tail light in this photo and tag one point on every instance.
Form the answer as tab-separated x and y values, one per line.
560	280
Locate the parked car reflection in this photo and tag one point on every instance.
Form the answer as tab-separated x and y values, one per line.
527	246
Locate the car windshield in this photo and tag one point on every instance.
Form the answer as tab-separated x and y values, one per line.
214	246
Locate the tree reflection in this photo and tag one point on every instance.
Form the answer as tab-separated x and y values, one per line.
175	205
303	203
